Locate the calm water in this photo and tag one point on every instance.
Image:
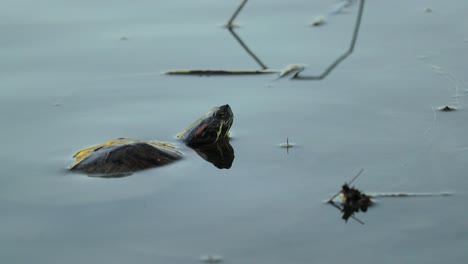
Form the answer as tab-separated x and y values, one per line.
80	73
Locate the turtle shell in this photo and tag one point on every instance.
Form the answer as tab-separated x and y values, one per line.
123	156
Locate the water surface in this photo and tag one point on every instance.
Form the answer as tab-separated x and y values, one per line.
69	80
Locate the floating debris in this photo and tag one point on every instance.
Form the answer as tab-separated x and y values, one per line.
447	108
287	145
291	71
318	21
428	10
211	258
353	201
123	38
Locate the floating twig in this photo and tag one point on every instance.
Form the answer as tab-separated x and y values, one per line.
219	72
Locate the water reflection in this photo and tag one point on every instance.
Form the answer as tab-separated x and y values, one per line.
220	154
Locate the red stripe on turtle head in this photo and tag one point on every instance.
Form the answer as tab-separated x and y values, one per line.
200	130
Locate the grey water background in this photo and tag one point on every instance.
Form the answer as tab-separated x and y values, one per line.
78	73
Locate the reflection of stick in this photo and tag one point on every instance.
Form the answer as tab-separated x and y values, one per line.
231	21
342	57
341	209
352	180
239	40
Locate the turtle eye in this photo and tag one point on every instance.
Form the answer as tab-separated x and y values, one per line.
222	114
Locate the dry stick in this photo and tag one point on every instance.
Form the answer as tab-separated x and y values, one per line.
352	180
342	57
239	40
231	21
219	72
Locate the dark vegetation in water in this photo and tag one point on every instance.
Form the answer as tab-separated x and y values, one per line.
354	201
294	68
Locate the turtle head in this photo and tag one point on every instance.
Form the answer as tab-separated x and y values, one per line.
210	128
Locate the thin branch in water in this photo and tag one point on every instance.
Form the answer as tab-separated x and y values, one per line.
342	57
230	23
355	177
241	42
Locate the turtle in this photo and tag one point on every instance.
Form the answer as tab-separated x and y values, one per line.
208	136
